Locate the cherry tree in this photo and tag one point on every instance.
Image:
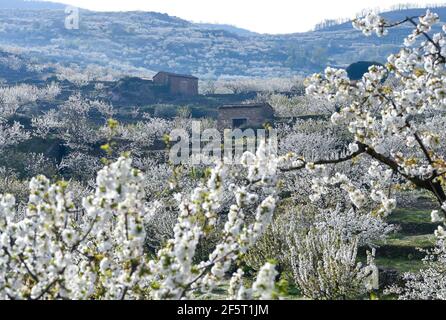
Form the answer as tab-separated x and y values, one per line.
394	125
14	99
325	266
59	251
83	125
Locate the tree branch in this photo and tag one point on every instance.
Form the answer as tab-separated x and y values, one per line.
362	149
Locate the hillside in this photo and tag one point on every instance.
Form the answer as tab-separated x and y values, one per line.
148	41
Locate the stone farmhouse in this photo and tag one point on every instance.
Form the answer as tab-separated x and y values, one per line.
177	84
243	116
142	91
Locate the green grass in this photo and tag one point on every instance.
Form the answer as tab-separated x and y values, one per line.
400	250
220	293
415	241
410	216
400	265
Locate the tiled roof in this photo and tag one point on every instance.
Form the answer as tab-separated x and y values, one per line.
171	74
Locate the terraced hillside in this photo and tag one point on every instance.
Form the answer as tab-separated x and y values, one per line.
150	41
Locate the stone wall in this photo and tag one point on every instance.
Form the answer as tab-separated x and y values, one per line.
256	116
183	86
178	84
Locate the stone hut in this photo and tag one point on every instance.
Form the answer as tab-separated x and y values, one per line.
177	84
243	116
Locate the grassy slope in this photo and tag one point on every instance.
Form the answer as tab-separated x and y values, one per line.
400	250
